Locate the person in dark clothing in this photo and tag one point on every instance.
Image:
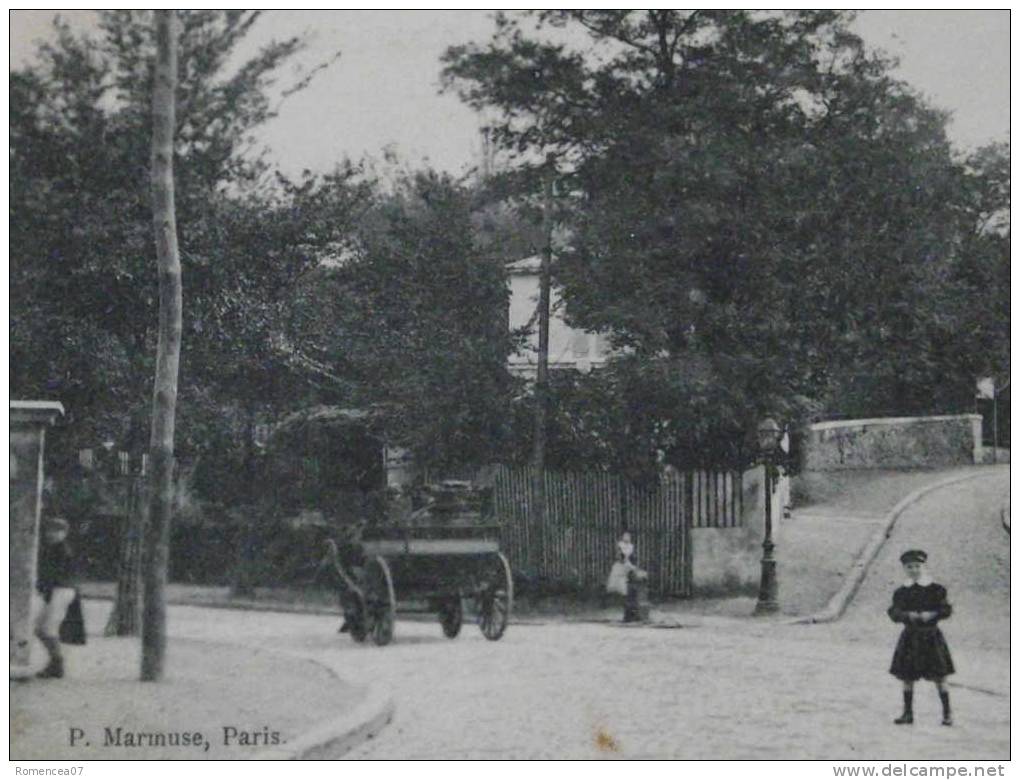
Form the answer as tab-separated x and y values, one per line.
921	652
56	588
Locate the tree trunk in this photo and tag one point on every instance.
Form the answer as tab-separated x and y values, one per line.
164	400
243	586
126	616
542	377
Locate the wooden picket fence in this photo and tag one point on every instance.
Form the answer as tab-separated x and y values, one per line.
586	510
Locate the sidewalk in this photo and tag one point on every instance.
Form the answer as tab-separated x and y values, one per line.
821	542
231	703
817	547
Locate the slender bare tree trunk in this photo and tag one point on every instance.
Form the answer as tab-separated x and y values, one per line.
168	355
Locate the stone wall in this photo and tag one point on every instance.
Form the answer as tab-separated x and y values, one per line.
893	442
727	561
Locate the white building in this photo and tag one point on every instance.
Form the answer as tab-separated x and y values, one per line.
568	347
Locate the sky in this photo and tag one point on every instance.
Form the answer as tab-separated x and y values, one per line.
383	92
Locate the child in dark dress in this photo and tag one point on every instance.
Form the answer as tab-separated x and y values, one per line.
921	651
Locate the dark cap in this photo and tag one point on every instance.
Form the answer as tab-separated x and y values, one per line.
914	556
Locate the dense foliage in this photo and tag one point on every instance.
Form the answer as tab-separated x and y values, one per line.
764	219
412	322
330	289
83	286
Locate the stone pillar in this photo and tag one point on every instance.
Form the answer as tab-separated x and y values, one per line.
976	422
727	561
29	420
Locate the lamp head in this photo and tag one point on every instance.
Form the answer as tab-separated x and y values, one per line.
769	435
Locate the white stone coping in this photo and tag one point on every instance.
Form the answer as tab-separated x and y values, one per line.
830	424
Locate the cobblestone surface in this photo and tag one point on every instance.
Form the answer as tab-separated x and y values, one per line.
968	552
734	689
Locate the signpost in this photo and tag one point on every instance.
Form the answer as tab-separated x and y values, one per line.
987	390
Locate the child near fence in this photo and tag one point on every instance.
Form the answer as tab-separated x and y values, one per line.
622	565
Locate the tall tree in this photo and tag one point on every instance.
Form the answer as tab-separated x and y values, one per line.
80	131
765	216
168	354
411	320
982	274
83	296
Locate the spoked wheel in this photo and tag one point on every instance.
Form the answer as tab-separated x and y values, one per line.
495	601
380	601
451	617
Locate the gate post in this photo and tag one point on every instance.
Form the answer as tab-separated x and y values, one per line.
28	423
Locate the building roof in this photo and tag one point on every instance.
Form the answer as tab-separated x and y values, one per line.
321	418
35	411
528	265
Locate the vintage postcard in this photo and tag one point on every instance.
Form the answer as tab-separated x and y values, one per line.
525	385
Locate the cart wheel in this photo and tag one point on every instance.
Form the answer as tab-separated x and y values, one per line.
451	617
381	601
496	600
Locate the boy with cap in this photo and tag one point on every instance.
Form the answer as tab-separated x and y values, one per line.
921	651
55	585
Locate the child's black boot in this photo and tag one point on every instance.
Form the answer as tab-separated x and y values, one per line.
908	709
947	715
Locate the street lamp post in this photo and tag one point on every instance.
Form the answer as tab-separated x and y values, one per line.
769	436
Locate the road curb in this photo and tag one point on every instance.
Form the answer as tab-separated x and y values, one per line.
333	738
838	603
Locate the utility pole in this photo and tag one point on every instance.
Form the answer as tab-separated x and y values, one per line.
542	368
995	418
995	424
487	165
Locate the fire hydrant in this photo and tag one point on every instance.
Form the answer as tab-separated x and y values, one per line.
635	606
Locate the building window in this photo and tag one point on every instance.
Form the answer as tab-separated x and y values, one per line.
580	345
